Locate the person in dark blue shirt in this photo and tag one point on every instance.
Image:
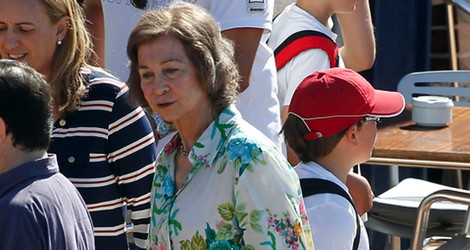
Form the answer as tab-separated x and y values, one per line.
41	209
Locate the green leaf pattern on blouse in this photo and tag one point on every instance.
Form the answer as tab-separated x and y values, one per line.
240	194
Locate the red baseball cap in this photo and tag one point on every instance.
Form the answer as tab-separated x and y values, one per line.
329	101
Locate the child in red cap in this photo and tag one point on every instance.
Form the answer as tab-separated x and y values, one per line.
331	127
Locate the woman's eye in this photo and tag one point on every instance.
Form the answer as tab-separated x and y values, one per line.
25	29
170	71
146	75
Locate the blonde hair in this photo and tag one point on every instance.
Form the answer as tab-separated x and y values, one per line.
67	87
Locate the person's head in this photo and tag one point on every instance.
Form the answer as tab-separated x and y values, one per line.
189	41
25	111
332	103
50	36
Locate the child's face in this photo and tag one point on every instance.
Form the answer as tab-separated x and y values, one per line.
367	136
344	6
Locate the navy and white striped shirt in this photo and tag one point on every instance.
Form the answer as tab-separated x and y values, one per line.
107	150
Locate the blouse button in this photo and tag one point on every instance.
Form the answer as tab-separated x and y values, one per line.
62	122
71	159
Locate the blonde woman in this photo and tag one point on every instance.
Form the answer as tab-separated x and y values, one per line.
104	145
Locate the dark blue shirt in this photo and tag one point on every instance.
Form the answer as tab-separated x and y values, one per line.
41	209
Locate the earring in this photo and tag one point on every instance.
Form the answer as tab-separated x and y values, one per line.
59	42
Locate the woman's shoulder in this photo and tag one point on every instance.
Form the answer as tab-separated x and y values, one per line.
249	141
251	135
99	76
241	139
102	83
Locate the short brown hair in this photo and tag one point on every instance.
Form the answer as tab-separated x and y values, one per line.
210	52
294	130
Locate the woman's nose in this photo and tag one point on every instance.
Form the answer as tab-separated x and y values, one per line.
10	40
160	86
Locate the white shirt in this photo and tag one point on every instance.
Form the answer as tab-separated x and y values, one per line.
290	21
120	17
332	218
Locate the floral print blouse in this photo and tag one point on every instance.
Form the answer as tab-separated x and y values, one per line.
240	194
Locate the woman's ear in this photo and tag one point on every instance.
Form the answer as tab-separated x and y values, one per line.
62	27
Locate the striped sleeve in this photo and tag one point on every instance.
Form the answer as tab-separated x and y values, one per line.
132	160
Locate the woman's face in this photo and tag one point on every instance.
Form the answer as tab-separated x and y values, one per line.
27	34
169	81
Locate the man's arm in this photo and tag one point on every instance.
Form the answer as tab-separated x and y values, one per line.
246	42
95	23
361	192
357	31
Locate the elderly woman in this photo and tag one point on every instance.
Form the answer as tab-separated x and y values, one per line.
104	145
219	182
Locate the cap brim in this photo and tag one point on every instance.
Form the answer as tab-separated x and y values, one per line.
388	104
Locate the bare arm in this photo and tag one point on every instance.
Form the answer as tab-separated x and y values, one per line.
95	23
246	41
358	51
361	192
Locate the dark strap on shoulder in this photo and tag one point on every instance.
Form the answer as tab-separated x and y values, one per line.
305	40
313	186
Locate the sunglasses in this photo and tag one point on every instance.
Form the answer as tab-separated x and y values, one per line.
140	4
372	118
